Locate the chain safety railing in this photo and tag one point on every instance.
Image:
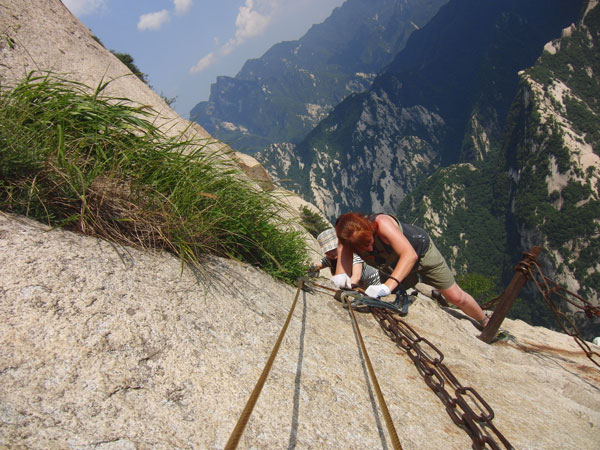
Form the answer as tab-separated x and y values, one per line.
548	289
428	360
529	269
466	407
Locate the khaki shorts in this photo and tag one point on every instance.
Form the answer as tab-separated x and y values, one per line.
433	269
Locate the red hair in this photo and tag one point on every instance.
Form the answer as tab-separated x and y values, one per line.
354	229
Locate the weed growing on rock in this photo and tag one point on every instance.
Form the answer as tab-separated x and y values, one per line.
72	157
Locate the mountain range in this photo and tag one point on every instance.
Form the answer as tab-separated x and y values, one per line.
284	94
450	134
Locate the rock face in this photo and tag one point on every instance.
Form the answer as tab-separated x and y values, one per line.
110	347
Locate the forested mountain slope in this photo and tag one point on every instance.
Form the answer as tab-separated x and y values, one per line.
541	187
443	99
437	141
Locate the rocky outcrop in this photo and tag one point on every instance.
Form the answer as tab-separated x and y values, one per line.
110	347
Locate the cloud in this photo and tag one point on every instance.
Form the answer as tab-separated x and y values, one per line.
182	6
229	46
204	63
252	20
153	21
84	7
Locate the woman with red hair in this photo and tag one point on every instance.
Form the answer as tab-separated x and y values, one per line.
400	251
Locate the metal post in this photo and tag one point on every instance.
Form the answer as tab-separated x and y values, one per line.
508	297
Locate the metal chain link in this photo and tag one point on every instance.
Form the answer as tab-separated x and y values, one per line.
466	408
547	288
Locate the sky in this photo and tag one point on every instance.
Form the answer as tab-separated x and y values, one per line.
183	45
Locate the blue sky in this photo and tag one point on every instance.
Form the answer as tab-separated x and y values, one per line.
183	45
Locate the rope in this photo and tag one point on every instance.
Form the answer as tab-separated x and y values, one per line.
237	432
479	440
384	409
436	374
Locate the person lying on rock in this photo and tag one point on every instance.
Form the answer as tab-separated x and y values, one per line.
362	274
400	251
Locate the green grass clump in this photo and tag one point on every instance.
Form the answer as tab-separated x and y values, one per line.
71	157
312	222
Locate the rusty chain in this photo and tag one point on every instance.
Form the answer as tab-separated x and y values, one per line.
547	288
437	376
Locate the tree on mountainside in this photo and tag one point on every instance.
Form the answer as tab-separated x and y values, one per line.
127	59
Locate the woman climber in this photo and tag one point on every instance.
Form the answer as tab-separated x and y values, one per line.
400	251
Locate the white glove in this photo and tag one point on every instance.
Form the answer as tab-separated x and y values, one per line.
342	281
378	290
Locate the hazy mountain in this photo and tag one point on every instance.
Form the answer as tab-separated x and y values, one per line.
443	99
541	187
281	96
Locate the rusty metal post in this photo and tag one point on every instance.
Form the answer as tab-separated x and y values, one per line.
508	297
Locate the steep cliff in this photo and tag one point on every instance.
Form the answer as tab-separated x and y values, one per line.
444	99
554	167
540	188
104	346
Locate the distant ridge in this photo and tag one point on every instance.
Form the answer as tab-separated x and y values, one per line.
281	96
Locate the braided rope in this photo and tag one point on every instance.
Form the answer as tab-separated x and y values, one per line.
384	409
237	432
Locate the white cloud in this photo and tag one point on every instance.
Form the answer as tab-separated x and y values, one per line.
229	46
204	63
182	6
153	21
84	7
252	20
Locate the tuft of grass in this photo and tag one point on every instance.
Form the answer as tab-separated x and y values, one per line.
71	157
313	222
